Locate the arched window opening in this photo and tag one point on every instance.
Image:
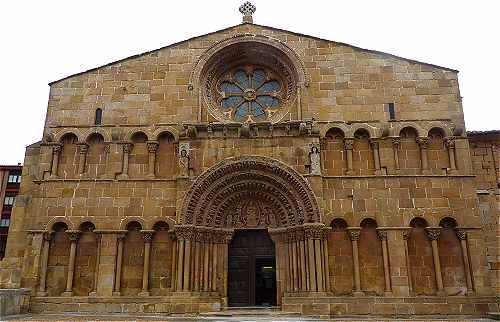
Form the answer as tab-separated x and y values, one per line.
98	117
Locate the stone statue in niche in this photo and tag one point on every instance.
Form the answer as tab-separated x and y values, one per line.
184	165
314	160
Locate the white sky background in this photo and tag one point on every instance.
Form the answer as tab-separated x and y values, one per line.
45	40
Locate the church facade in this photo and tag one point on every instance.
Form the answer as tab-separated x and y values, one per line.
258	167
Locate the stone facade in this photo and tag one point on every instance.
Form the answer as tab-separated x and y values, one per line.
130	201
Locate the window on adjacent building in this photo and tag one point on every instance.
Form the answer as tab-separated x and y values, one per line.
4	222
14	178
9	200
98	116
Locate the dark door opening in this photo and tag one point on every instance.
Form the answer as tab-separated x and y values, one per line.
252	269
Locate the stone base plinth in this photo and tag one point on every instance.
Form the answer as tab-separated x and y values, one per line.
391	306
14	301
175	303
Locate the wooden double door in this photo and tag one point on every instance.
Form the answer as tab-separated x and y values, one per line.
252	269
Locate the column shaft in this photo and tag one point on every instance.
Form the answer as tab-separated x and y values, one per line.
294	266
214	267
175	251
42	287
289	273
56	150
147	236
354	236
180	265
302	259
119	260
71	264
465	256
206	258
348	146
462	236
197	266
406	236
319	266
326	265
395	148
312	269
387	272
83	158
96	270
187	265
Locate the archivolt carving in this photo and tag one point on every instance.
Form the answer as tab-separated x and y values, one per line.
277	194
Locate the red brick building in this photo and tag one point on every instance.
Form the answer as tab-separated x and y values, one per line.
10	178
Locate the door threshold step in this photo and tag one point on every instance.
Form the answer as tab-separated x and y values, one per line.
251	311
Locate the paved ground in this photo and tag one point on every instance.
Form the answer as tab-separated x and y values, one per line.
246	318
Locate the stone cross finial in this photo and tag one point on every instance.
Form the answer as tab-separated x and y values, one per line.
247	9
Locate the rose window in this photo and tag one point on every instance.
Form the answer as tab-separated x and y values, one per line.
249	95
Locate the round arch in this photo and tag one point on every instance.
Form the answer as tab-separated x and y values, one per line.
264	185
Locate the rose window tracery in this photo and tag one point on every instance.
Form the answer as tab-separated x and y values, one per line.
249	95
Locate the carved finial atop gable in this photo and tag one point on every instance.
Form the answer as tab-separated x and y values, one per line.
247	9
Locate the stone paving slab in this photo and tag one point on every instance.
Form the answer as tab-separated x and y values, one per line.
123	317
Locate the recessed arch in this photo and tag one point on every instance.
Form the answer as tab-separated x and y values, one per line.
274	182
418	222
338	224
448	222
340	127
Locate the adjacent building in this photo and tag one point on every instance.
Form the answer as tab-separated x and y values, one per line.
255	166
10	179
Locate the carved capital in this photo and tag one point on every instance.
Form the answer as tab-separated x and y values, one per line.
354	234
107	147
433	233
47	236
83	148
396	142
450	142
407	234
348	144
152	146
461	233
382	234
147	235
120	236
314	231
56	148
374	144
127	147
423	142
73	235
184	232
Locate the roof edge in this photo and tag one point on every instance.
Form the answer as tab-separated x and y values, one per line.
263	26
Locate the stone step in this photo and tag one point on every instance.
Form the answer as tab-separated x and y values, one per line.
494	315
251	311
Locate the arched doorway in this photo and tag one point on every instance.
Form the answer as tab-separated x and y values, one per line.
238	205
252	269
